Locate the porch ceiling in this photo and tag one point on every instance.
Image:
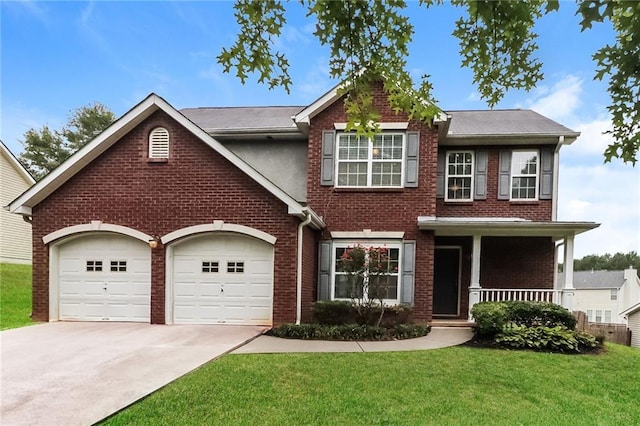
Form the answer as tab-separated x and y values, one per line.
502	227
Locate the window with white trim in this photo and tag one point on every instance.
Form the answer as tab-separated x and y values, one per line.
607	316
159	143
524	175
459	176
598	315
590	316
614	294
235	267
382	273
363	162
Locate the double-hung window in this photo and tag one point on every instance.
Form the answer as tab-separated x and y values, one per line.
524	175
379	278
364	162
459	176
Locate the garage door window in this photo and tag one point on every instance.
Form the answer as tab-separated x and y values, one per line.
94	265
235	267
208	267
118	266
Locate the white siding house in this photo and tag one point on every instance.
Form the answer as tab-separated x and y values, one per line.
15	233
633	318
604	295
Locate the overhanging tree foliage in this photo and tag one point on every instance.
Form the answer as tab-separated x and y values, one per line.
44	149
369	41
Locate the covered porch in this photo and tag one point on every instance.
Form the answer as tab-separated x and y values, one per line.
499	259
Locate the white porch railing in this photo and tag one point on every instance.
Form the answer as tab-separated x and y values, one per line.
519	294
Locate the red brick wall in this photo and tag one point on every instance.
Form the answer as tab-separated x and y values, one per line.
380	209
309	272
517	262
195	186
492	207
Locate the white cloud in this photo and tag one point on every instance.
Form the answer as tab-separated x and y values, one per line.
558	102
606	194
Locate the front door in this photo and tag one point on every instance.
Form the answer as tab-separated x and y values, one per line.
446	281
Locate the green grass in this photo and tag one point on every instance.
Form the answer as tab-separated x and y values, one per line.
459	385
15	295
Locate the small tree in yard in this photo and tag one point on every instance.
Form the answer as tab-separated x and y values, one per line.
368	275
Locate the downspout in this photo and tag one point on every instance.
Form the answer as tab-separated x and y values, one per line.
301	226
556	167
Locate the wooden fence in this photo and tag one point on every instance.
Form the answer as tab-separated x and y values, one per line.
615	333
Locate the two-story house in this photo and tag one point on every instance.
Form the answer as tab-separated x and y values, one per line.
238	215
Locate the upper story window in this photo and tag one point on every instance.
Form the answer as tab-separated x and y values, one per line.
459	176
159	143
614	294
524	175
362	162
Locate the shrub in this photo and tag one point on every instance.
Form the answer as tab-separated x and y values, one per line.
540	338
492	318
340	312
534	314
332	312
349	332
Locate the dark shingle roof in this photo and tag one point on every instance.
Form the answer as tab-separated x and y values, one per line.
598	279
503	122
249	119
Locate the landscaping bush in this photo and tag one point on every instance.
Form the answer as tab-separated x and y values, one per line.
540	338
333	312
530	325
493	317
349	332
340	312
534	314
490	318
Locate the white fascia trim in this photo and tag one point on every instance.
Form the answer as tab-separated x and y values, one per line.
96	226
383	126
218	226
317	221
305	116
367	234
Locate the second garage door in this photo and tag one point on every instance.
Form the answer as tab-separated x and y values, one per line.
223	279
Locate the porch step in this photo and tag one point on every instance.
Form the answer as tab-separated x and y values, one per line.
451	323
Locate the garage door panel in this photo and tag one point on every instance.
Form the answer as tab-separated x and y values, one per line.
105	277
225	294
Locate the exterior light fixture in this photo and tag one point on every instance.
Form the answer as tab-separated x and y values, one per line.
154	241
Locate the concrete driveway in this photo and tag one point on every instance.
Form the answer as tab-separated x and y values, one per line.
76	373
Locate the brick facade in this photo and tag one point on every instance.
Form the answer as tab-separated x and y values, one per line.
195	186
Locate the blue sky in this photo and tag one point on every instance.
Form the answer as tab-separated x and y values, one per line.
57	56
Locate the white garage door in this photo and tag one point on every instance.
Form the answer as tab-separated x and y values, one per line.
223	279
105	277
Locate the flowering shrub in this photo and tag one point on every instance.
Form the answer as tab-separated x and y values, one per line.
368	271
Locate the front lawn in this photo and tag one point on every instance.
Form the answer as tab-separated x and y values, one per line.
458	385
15	295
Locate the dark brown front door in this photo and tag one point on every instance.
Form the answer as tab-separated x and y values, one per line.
446	281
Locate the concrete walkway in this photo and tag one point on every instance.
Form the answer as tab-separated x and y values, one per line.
77	373
439	337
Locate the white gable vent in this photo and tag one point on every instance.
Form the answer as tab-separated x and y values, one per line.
159	143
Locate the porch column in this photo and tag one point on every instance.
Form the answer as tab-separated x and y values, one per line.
474	287
567	290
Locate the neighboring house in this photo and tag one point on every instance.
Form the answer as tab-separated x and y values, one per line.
604	295
633	319
15	233
237	215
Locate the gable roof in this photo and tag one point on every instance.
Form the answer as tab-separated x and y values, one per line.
491	124
152	103
242	120
16	164
598	279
